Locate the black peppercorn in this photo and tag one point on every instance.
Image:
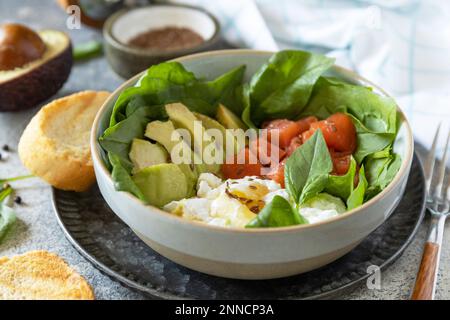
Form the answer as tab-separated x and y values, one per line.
18	200
5	147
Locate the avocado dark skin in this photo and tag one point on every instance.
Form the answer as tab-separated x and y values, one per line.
28	75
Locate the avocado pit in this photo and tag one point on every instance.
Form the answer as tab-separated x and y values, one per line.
19	45
33	65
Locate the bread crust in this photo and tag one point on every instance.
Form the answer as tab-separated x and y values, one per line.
55	144
39	275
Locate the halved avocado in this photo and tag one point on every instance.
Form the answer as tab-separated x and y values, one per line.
26	86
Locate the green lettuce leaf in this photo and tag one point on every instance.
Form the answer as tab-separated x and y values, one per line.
282	86
306	171
278	213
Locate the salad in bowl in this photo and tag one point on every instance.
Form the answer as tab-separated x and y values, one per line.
250	164
287	145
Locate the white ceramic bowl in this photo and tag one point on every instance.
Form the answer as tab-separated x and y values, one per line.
249	253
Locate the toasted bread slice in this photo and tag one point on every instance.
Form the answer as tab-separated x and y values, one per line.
39	275
55	144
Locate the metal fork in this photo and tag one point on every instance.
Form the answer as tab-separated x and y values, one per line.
438	204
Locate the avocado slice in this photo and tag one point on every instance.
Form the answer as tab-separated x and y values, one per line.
145	154
162	183
231	121
228	119
210	123
183	118
26	86
161	132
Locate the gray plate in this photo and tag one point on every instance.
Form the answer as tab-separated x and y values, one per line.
100	236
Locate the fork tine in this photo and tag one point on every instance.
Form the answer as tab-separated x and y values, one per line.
447	198
440	188
429	162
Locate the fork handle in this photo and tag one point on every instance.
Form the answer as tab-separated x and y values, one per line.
428	270
426	277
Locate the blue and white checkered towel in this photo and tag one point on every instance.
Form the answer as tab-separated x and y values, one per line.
401	45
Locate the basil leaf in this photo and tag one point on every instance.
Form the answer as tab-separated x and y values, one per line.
306	171
278	213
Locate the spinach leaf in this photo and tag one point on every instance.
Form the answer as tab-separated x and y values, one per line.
282	86
246	116
377	113
117	139
278	213
306	171
4	193
170	82
7	219
87	50
380	172
374	116
356	198
342	186
7	215
155	80
122	178
369	142
226	89
135	103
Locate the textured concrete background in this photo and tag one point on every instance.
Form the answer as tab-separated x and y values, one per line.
37	227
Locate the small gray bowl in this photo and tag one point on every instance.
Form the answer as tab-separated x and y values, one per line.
127	61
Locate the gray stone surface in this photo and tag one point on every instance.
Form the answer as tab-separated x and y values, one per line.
37	227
